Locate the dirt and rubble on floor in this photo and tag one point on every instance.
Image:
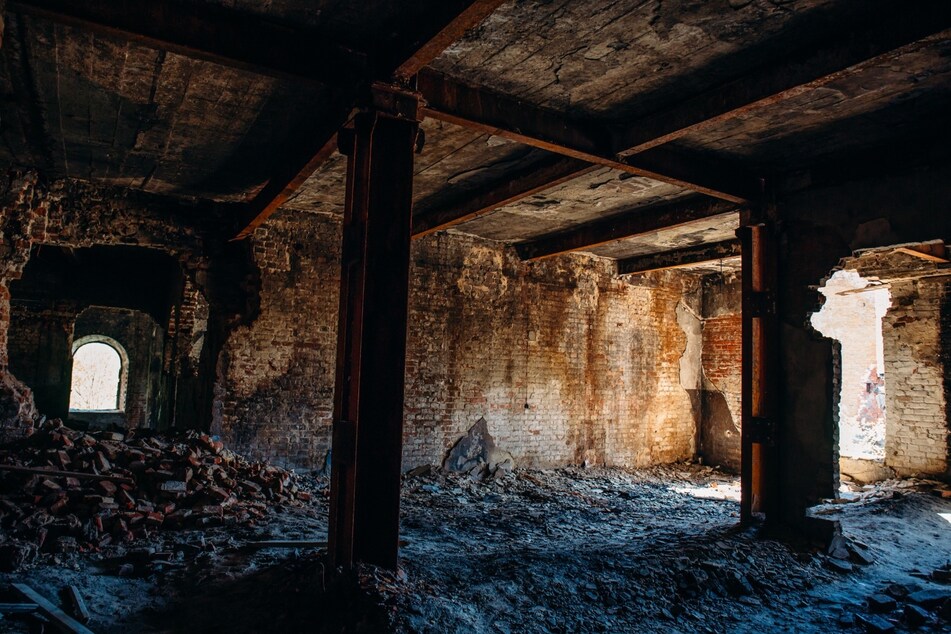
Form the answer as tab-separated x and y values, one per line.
565	550
595	550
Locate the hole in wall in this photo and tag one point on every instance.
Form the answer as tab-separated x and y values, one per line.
852	315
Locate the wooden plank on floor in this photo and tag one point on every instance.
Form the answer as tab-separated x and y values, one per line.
62	621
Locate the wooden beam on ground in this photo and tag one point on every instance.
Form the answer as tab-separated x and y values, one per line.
477	108
55	473
624	225
687	256
61	620
18	608
877	39
444	24
77	603
211	33
516	185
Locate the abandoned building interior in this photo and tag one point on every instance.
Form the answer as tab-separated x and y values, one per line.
475	316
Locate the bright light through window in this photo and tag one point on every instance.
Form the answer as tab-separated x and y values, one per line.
96	374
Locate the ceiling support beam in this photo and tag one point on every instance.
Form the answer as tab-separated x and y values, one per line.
371	341
447	22
454	19
291	173
517	185
624	225
895	31
688	256
472	107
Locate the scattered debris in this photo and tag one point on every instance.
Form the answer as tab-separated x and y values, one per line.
567	550
64	490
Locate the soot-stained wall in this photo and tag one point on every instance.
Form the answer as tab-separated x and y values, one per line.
567	363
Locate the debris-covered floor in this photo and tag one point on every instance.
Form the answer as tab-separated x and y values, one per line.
568	550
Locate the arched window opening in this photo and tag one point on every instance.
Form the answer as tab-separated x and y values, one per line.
97	379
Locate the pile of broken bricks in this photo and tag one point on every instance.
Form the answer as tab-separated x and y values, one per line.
65	490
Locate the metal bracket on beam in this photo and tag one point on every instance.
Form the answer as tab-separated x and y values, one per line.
344	443
395	101
764	431
762	303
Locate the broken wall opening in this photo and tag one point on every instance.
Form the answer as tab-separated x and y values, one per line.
897	295
852	315
70	301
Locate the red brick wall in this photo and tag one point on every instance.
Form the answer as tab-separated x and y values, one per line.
595	359
723	356
721	361
916	421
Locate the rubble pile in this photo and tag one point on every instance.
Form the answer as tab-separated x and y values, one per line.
64	490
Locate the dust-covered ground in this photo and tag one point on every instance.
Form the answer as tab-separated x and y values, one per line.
567	550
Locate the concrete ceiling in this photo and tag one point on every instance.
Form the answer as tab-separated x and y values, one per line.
96	108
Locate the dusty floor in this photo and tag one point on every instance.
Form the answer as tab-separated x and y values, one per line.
536	551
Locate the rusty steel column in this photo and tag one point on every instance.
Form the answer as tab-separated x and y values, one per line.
371	336
759	434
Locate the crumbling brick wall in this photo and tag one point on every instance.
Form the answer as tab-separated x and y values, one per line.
916	436
566	362
39	351
74	214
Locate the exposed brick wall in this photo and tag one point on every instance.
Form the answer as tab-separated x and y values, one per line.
73	214
595	359
721	360
274	395
723	356
916	439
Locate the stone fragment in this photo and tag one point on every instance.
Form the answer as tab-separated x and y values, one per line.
917	616
477	454
875	624
838	565
897	591
839	548
881	603
929	598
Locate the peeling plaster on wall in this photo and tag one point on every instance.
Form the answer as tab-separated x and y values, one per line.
691	369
